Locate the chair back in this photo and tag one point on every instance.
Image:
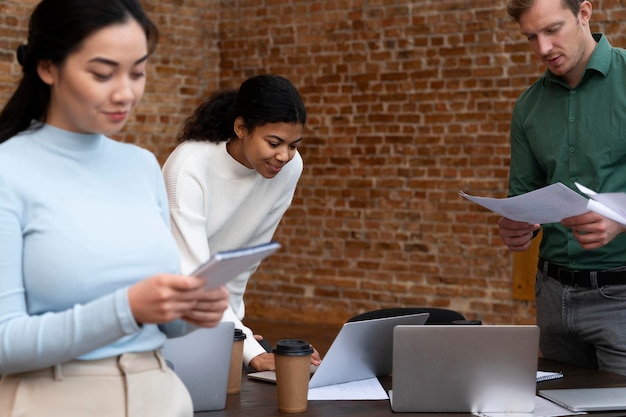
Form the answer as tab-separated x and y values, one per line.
437	315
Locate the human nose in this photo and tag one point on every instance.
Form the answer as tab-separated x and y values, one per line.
544	45
124	91
283	154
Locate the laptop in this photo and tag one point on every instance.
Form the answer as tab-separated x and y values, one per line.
201	359
361	350
460	368
587	399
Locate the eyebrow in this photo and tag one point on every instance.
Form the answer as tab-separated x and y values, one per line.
547	27
281	139
114	63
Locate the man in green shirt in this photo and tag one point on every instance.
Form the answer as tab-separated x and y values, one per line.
570	126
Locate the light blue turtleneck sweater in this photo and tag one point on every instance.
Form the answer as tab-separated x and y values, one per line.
82	217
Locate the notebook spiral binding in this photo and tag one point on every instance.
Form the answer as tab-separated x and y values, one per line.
547	376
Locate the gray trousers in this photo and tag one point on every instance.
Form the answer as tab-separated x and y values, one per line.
582	326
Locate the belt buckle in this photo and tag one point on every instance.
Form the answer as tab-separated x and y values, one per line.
567	276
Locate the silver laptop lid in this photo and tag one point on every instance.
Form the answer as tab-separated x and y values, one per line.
460	368
201	359
361	350
588	399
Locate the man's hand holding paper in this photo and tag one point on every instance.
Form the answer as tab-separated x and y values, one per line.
517	236
595	221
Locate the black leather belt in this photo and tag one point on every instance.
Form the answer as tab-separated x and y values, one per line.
582	278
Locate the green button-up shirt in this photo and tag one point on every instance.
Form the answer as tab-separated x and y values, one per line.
563	134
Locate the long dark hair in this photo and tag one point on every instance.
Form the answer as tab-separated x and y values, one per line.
260	100
56	29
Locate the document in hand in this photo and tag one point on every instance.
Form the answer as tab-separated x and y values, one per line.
225	266
610	205
549	204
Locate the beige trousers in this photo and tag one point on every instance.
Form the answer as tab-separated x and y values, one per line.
130	385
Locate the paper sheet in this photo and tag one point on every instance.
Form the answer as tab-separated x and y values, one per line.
366	389
549	204
610	205
543	408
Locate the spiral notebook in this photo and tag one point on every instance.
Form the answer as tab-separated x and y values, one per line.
226	265
547	376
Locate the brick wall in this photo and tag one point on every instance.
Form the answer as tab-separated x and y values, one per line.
408	102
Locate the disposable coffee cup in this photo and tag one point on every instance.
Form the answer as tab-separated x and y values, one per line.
293	365
236	360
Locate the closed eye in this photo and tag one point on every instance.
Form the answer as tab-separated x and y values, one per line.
102	77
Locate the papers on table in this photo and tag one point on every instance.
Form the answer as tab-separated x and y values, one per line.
371	389
366	389
553	203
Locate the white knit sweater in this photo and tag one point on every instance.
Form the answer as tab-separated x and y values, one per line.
218	204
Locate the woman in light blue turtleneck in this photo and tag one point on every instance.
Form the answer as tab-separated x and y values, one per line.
89	272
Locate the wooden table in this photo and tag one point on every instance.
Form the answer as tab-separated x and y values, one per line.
258	399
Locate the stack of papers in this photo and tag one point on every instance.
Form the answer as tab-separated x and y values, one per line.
555	202
366	389
371	389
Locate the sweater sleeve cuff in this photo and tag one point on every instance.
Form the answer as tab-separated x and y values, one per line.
125	315
251	348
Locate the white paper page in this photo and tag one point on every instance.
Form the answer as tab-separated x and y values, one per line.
610	205
543	408
549	204
366	389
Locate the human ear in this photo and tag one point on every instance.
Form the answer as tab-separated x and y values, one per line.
47	71
585	12
239	127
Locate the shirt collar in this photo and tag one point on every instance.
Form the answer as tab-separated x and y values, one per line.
600	59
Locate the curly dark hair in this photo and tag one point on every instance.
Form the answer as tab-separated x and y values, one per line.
260	100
